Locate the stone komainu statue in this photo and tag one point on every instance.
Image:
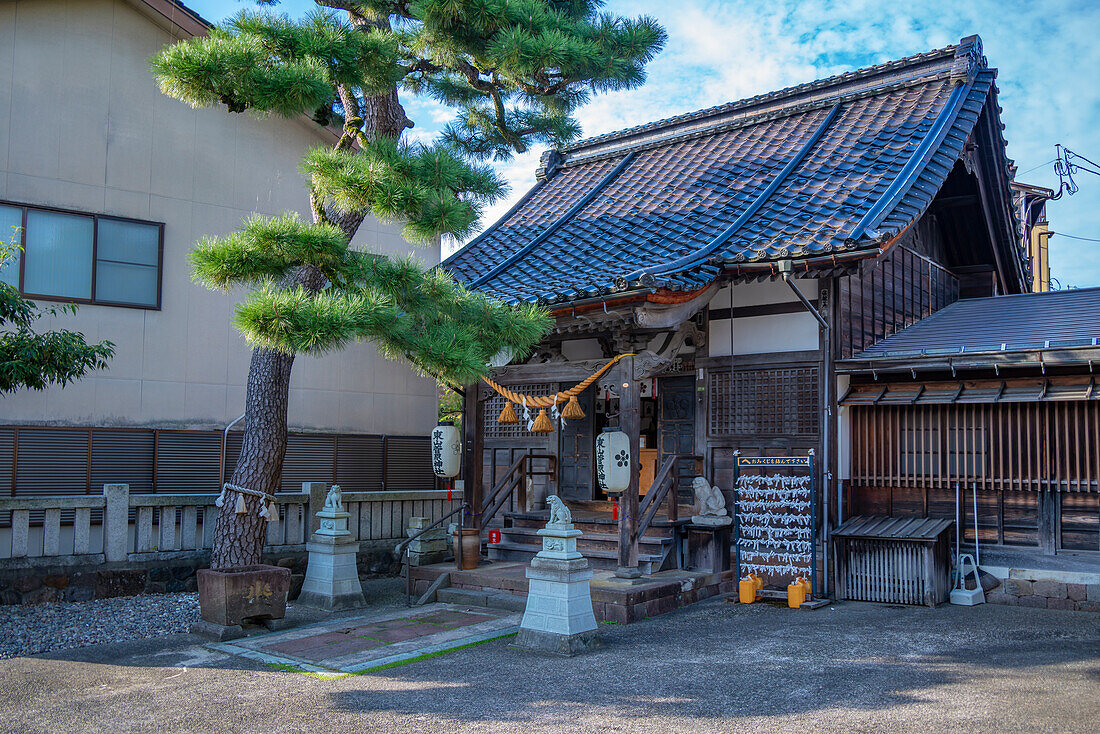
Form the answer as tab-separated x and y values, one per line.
709	501
559	513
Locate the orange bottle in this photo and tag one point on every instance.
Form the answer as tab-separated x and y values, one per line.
796	594
806	583
746	590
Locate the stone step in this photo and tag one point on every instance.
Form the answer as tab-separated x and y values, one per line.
602	559
660	527
590	540
489	599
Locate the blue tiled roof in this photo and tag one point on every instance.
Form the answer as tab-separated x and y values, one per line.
1026	321
838	165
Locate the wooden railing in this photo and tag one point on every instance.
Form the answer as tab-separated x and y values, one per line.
663	487
514	480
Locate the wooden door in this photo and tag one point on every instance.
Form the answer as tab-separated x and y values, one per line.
676	426
576	480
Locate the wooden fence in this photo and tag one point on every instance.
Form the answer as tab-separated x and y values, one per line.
146	527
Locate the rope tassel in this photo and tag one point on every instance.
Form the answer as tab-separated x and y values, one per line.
542	423
508	415
572	410
240	508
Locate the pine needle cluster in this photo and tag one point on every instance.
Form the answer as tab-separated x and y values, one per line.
412	313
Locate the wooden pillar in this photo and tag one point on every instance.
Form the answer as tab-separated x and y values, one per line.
473	418
630	423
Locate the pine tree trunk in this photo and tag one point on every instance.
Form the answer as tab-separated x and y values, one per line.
239	538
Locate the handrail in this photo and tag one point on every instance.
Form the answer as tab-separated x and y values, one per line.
404	545
488	509
515	477
661	488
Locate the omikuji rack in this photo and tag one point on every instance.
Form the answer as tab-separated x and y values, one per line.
777	462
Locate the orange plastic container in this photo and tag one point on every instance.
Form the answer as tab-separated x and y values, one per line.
796	594
746	590
806	583
758	580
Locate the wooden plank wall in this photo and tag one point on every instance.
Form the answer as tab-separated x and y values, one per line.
907	460
891	293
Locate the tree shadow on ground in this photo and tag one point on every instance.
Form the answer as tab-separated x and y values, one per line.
706	664
726	661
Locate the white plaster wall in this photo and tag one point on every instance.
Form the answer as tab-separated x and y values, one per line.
791	332
83	126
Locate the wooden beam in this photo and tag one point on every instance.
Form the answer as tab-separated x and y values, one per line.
630	423
473	418
548	372
809	356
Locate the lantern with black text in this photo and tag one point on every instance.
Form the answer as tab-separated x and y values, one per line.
446	450
613	460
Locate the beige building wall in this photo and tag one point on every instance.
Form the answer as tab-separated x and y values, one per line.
83	126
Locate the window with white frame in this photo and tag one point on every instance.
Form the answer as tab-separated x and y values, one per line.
89	258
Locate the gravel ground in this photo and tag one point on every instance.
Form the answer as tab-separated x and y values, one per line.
46	628
63	626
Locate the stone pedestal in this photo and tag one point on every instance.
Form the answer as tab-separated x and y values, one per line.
708	547
229	597
558	618
429	548
332	576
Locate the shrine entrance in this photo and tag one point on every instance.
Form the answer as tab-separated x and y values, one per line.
576	473
676	426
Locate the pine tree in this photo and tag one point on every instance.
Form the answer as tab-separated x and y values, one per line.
514	70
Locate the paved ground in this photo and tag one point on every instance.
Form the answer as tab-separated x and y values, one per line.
711	667
353	644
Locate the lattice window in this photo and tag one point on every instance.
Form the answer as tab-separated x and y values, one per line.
496	404
764	402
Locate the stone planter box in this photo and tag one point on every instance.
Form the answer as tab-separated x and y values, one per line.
230	596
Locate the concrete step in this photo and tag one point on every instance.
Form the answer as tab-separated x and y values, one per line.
490	599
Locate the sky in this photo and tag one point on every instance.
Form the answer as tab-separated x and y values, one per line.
1047	53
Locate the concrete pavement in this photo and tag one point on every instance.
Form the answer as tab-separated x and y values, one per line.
710	667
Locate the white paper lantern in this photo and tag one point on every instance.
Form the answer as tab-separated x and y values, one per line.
613	460
446	450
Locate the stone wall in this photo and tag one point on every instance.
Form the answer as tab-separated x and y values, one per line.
75	582
1046	593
